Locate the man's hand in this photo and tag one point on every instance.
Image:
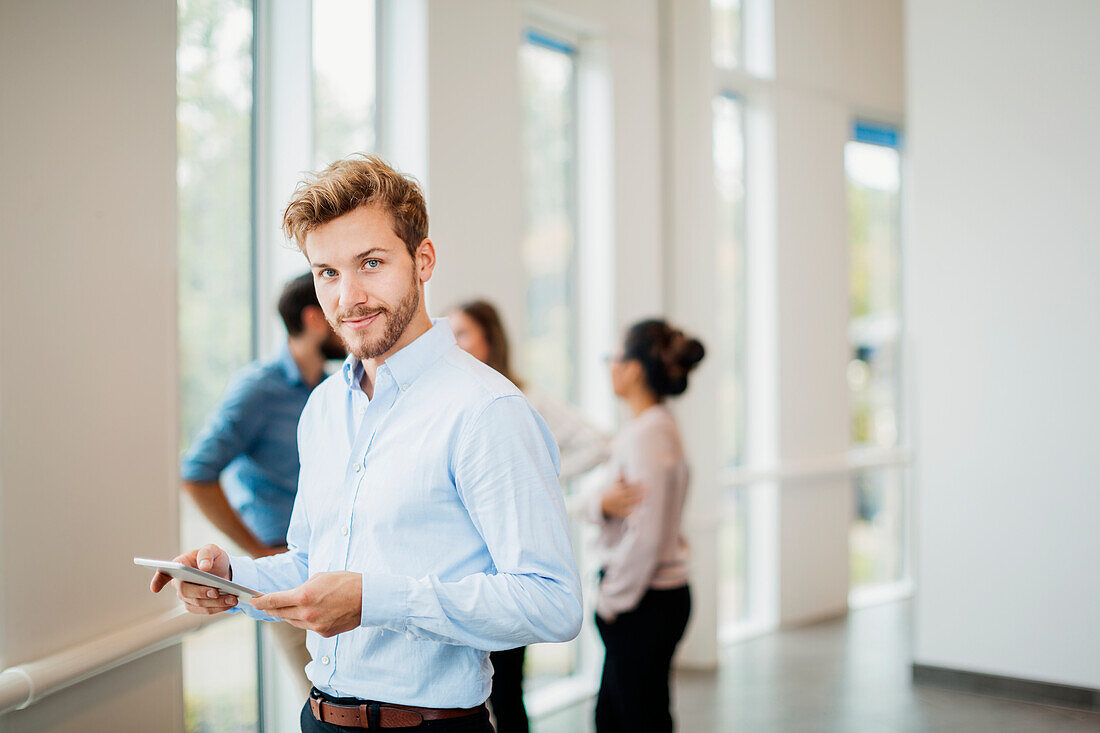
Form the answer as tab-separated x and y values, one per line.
328	603
620	498
200	599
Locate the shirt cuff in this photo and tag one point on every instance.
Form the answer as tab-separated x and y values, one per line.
199	472
385	601
243	572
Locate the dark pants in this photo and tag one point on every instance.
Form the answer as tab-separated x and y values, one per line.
507	695
477	723
634	689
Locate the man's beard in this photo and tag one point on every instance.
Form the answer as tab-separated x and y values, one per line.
395	324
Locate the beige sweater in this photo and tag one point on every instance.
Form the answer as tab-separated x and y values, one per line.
646	549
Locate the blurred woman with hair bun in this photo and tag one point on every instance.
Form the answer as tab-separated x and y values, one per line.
643	602
479	331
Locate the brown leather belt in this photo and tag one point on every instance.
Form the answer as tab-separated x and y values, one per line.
389	715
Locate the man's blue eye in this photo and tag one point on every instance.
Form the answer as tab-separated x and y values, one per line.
328	273
373	263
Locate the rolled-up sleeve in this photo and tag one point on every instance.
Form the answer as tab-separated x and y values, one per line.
506	475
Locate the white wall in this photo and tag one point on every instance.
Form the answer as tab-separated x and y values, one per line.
87	345
1002	264
475	175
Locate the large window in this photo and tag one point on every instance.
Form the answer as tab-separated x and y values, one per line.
873	167
548	94
343	79
214	62
214	180
729	220
548	78
230	272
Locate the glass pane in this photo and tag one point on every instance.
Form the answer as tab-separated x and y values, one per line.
876	538
725	33
214	167
343	79
729	219
733	560
214	119
548	85
874	181
220	692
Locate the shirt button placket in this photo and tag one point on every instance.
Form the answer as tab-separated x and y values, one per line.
326	659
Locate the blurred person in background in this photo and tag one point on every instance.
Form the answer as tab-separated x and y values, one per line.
242	468
480	332
643	602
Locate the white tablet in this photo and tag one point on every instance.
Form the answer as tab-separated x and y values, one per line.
198	577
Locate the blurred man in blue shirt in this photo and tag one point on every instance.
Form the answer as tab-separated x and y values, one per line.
429	526
242	468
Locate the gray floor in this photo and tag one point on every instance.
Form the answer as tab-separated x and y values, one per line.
850	675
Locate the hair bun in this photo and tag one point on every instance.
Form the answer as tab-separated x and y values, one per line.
684	351
666	354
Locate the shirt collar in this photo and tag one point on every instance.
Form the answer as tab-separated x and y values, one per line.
289	366
411	361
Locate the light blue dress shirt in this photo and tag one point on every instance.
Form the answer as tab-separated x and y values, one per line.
250	443
442	491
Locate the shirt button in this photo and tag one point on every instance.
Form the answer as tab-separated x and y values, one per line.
358	467
404	387
362	410
324	660
344	531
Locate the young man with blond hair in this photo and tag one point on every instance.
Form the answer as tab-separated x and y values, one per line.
429	528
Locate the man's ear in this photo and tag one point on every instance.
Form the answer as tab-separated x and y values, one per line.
313	318
424	260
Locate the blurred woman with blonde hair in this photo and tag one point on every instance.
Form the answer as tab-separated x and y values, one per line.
479	331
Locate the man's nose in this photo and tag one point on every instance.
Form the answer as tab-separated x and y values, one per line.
352	292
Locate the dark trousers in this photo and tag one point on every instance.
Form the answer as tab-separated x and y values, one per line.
477	723
507	695
634	692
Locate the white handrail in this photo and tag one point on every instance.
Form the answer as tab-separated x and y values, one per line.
854	461
25	684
